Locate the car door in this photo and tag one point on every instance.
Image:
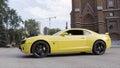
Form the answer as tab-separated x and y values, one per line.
75	41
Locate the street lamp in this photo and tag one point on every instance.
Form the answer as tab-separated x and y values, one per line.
50	21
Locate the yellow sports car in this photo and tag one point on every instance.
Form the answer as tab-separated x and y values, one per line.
73	40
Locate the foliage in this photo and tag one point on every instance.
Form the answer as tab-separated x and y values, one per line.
3	13
13	21
52	31
17	35
9	21
2	36
31	27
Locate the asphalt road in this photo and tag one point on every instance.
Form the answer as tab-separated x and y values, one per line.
13	58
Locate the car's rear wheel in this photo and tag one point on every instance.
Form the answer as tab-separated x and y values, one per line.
99	48
40	49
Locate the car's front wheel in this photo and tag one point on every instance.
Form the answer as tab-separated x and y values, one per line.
40	49
99	48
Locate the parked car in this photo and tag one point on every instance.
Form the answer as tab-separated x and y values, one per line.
73	40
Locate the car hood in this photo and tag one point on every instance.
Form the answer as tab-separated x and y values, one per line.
41	37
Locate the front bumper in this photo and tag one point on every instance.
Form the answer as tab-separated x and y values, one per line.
25	48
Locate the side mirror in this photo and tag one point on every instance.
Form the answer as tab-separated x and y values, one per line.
64	34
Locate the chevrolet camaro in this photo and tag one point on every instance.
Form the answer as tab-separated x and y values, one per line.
68	41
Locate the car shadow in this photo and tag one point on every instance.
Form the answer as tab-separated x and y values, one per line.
68	55
59	55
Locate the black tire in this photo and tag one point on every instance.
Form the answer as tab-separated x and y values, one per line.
99	48
40	49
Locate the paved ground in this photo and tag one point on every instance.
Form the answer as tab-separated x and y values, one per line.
13	58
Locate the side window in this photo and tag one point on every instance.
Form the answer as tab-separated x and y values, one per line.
78	32
86	32
75	32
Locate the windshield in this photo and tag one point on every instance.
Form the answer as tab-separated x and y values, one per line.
58	33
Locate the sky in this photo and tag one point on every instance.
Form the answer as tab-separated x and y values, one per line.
41	10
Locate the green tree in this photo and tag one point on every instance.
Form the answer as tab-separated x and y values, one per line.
14	22
52	31
9	24
19	35
2	36
31	27
13	19
3	14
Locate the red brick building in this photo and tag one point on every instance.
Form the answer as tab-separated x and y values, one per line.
98	15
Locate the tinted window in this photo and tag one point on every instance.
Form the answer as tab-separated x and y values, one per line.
75	32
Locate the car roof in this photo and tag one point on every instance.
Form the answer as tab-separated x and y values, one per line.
82	29
77	28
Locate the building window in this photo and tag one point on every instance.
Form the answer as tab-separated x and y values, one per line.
110	3
113	26
99	7
111	13
77	9
77	24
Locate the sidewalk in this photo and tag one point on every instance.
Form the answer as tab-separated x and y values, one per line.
115	46
116	43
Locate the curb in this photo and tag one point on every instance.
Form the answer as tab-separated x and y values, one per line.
115	46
